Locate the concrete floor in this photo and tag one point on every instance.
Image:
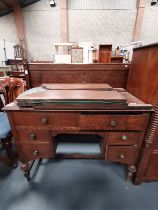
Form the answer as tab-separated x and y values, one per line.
75	185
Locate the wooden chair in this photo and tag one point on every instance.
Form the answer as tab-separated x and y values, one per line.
5	139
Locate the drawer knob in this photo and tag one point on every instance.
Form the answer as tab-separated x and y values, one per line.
124	137
35	152
122	156
44	121
113	123
33	136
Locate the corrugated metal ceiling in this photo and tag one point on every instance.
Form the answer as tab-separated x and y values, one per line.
101	4
6	6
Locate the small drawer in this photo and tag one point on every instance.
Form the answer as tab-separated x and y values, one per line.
123	154
33	135
32	151
123	138
113	122
45	119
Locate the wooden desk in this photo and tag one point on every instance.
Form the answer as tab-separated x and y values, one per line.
119	131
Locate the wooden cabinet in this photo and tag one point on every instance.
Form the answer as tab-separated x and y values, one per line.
152	172
105	52
143	83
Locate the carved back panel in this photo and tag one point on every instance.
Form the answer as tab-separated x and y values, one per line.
113	74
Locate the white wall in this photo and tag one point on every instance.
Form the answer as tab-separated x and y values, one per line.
149	32
7	32
102	26
102	21
42	26
8	28
9	50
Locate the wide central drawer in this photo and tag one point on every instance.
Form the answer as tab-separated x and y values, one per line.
113	122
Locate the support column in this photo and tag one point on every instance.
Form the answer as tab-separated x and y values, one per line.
19	20
139	20
64	21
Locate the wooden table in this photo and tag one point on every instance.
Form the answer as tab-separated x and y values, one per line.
5	69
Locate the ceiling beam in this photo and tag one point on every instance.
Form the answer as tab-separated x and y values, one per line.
139	20
64	20
9	3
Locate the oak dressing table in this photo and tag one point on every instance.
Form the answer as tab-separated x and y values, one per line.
116	118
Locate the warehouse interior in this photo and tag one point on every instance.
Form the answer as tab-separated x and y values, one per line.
79	104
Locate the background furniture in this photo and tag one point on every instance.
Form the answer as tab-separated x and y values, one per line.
77	55
4	70
105	52
11	87
116	59
17	64
143	83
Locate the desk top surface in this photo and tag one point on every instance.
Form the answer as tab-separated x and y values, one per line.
77	97
70	86
70	94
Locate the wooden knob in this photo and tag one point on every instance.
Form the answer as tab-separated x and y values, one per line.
122	156
32	136
124	137
44	121
113	123
35	152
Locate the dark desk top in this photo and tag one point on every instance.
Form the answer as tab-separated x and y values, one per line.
71	97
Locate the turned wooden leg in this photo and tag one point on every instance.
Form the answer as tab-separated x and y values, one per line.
131	171
7	145
25	167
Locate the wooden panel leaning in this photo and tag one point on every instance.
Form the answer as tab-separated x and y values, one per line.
114	74
143	83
